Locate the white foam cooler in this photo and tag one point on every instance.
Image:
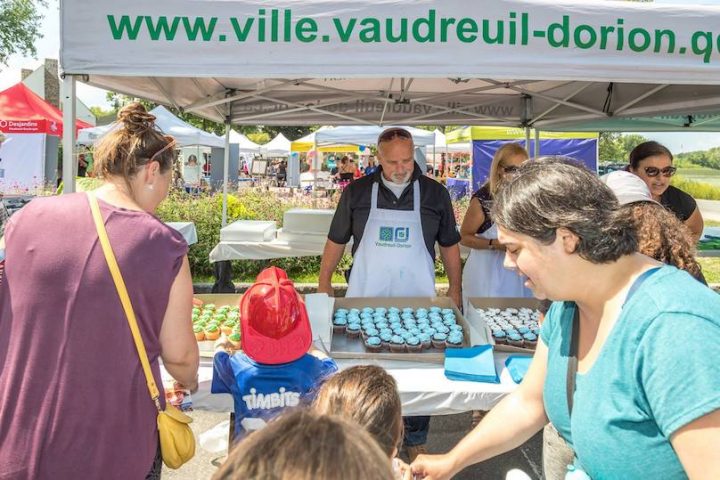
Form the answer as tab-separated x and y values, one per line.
249	231
305	220
295	237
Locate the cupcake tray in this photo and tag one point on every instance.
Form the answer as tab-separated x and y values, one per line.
502	303
206	347
343	347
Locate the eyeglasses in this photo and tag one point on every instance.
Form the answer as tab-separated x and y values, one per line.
654	171
392	133
510	169
170	144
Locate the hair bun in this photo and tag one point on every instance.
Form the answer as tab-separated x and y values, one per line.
136	119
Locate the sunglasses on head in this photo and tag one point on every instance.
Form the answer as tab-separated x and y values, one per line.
510	169
654	171
170	144
392	133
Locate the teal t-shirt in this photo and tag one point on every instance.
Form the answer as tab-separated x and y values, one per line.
657	372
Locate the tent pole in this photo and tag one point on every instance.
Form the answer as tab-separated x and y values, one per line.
68	141
226	167
527	139
536	153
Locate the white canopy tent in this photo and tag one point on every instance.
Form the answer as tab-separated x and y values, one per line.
184	133
244	144
522	63
277	147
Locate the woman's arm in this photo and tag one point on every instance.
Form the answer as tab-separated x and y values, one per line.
501	430
696	445
474	218
696	224
179	348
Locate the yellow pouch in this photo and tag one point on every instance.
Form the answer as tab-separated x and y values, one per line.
177	442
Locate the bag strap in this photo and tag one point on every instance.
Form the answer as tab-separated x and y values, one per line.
124	298
573	358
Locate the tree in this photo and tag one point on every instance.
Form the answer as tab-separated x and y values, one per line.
19	27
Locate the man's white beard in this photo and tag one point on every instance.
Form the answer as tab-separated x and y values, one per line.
405	178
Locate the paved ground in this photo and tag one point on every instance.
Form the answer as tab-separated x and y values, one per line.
445	431
710	209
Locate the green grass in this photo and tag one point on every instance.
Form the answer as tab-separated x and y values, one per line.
701	174
711	269
712	223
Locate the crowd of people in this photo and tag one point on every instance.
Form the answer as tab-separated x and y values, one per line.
624	370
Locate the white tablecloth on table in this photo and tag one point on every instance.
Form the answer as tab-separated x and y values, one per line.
424	390
187	229
266	250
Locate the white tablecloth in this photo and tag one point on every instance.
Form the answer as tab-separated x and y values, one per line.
187	229
424	390
267	250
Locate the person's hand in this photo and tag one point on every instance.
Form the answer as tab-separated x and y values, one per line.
433	467
223	344
455	294
401	470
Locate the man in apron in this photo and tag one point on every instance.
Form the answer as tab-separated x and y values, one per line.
395	216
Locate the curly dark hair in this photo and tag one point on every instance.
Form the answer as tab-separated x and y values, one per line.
663	237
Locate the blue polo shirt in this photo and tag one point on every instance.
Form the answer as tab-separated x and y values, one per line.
261	391
657	372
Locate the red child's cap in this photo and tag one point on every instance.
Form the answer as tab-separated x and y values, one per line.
274	321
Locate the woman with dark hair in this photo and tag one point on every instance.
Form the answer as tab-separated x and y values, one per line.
619	369
652	162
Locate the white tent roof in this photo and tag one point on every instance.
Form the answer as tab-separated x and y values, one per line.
557	62
277	147
184	133
245	144
366	135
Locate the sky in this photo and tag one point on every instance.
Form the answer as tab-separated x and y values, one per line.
47	47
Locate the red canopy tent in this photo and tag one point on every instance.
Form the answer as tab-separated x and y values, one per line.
23	111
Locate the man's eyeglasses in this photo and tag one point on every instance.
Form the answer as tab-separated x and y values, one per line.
654	171
392	133
510	169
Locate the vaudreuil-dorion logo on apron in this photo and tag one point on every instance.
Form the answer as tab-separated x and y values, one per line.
394	237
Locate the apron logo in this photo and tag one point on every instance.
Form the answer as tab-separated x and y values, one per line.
394	235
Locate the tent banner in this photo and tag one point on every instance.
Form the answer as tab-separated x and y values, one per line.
30	126
22	163
584	150
520	39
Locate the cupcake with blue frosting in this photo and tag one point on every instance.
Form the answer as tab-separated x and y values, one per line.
439	341
454	340
339	324
530	340
425	340
515	340
373	344
385	338
412	344
353	330
500	337
397	344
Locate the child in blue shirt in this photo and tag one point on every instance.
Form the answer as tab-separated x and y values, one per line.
274	370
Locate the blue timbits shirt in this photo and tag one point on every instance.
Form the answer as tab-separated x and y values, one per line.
262	391
657	372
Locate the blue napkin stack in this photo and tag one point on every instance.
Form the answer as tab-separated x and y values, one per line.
473	364
518	366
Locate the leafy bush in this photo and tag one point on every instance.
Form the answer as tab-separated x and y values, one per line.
697	190
205	211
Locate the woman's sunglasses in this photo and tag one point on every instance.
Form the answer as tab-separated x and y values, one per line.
654	171
510	169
